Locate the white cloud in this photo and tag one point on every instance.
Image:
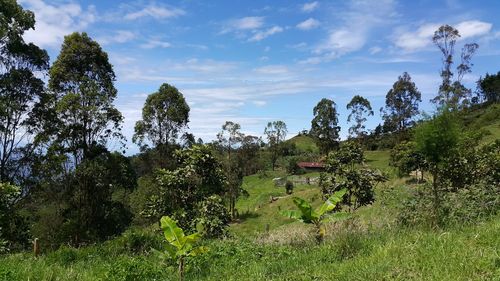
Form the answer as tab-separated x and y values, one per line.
259	103
308	24
53	22
473	28
309	7
375	49
246	23
272	69
156	12
358	23
151	44
411	41
120	36
260	35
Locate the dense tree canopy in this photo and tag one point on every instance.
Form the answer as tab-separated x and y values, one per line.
164	114
324	126
401	104
489	88
20	89
81	80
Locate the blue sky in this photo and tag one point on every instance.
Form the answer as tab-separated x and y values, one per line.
256	61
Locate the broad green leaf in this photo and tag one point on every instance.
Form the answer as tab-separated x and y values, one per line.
292	214
193	238
305	208
337	196
330	204
172	232
198	250
171	250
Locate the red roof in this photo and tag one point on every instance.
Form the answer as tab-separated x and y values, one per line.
310	165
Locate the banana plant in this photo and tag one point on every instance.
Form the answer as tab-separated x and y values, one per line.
318	216
180	246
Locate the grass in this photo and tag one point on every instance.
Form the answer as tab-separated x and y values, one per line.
258	211
360	252
371	246
304	144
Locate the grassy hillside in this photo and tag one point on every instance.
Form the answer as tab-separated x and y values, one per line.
304	144
371	246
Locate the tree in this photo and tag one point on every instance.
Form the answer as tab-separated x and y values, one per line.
164	114
401	104
437	140
83	114
453	92
407	159
318	216
180	246
489	88
324	126
75	172
198	176
345	173
276	133
359	106
229	138
20	89
13	229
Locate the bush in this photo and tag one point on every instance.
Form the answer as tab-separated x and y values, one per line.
213	216
289	187
140	241
468	205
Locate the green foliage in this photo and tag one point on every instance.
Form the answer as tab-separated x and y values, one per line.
276	133
213	216
401	105
452	93
344	172
289	187
180	246
20	89
164	114
324	126
318	216
489	88
407	159
13	234
359	106
81	113
198	176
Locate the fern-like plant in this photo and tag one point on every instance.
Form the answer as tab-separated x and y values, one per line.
318	216
180	246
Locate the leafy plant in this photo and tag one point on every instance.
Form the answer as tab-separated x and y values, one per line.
318	216
180	246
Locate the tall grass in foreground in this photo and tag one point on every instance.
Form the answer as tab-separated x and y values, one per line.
355	253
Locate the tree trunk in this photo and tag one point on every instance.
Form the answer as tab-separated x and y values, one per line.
181	269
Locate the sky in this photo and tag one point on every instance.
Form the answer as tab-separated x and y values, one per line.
252	62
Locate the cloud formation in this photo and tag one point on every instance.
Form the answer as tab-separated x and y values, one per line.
53	22
156	12
260	35
309	7
411	41
308	24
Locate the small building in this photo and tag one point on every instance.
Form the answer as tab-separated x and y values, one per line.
311	166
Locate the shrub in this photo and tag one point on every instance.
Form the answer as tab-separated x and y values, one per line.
213	216
289	187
